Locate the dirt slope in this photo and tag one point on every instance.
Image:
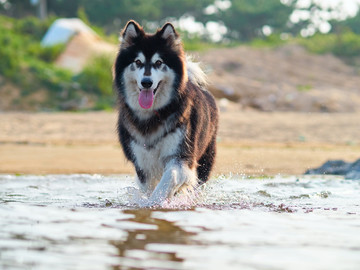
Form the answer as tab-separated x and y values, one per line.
287	78
248	142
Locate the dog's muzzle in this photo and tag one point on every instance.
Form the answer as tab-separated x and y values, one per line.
146	83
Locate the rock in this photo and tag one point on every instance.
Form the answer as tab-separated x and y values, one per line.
339	167
354	171
336	167
354	175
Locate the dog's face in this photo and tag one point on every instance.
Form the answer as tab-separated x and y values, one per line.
150	68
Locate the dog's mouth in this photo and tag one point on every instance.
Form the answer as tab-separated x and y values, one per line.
146	97
157	87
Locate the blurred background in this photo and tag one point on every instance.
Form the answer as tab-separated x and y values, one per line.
285	74
288	55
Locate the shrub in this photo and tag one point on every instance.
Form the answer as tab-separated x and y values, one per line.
10	53
33	26
9	63
96	77
345	44
272	40
319	43
49	54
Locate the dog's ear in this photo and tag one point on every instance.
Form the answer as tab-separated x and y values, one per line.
168	33
130	32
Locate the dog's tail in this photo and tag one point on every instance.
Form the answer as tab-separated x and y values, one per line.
195	74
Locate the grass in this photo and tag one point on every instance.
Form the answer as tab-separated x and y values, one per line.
304	87
345	44
271	41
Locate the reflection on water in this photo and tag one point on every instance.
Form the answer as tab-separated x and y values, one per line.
132	250
94	222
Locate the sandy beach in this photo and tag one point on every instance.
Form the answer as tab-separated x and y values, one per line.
249	142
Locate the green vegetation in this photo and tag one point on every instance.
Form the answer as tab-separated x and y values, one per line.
96	78
245	18
346	44
304	87
24	61
199	44
29	66
273	40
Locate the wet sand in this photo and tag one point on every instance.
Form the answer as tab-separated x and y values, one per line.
249	142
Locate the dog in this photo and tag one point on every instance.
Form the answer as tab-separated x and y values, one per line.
167	121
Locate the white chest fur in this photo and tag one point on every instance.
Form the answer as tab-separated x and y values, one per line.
152	160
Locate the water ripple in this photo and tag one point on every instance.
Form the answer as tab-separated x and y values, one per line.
96	222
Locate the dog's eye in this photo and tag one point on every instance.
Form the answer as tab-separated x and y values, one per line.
158	63
138	62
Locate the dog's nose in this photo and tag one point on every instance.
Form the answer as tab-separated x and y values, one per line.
146	82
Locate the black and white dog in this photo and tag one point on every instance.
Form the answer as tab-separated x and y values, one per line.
167	121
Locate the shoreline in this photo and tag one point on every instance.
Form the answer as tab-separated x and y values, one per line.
232	158
249	142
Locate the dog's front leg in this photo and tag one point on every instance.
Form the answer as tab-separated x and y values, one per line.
176	174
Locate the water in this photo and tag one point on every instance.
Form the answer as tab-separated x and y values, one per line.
94	222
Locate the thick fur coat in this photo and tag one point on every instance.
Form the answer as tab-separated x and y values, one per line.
167	121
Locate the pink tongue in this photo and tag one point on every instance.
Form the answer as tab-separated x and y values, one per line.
146	98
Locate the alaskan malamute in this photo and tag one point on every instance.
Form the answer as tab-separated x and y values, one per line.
167	120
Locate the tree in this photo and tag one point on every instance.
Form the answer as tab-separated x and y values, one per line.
245	19
17	8
105	12
352	24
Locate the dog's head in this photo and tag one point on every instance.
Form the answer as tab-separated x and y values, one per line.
150	68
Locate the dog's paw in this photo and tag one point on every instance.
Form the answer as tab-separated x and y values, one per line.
152	204
158	197
158	200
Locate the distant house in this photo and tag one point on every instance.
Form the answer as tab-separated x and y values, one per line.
62	30
82	43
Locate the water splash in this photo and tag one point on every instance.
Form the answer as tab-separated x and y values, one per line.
97	222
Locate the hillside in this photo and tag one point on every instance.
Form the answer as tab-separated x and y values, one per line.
286	78
37	78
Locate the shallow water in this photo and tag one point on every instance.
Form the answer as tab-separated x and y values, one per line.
94	222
